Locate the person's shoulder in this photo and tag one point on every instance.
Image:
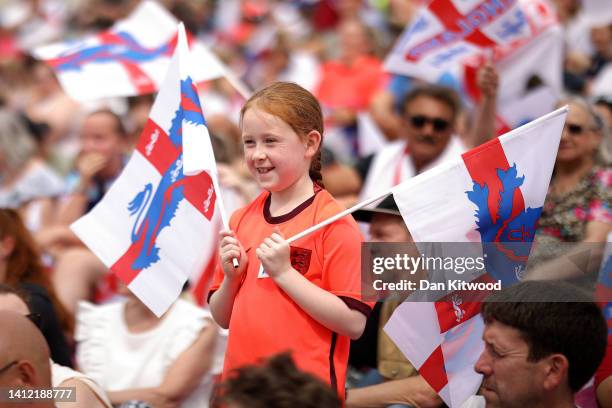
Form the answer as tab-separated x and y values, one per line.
87	308
603	176
186	310
94	323
369	62
330	65
326	206
390	150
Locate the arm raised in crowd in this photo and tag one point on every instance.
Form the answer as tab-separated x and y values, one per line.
483	124
384	115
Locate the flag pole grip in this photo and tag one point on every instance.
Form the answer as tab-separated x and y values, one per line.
221	207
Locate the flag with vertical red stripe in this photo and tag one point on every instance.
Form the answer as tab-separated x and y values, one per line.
153	227
130	58
492	195
448	32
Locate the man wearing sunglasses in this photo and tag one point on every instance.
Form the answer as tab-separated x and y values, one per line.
24	359
425	130
429	113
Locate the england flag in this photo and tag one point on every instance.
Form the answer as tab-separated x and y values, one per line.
446	32
491	195
155	224
129	59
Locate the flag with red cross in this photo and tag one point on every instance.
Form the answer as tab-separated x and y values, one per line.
130	58
156	221
491	196
448	32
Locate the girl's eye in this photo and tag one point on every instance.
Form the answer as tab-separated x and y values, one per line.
248	142
270	140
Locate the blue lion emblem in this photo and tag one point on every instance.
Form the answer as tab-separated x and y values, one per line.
507	235
161	204
120	46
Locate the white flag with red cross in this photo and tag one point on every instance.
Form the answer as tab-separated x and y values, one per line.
446	32
129	59
530	70
492	195
156	222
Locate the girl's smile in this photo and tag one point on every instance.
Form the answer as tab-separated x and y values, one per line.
275	154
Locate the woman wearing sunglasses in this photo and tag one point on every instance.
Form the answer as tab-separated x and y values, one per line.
578	207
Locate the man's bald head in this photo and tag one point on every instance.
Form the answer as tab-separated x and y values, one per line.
13	303
21	342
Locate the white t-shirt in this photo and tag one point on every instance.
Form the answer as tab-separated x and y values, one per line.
117	359
392	165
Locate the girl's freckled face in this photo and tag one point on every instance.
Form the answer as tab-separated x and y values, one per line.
274	153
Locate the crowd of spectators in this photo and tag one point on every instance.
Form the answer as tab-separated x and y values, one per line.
58	157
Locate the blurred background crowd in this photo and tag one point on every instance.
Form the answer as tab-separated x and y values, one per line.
59	156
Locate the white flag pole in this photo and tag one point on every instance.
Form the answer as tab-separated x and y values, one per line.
238	85
219	203
221	207
328	221
339	215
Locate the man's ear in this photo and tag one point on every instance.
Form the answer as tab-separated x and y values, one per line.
557	371
313	141
26	374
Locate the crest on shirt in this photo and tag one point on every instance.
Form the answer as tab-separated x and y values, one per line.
300	259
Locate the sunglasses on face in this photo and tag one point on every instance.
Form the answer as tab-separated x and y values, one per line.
438	124
9	365
35	318
574	129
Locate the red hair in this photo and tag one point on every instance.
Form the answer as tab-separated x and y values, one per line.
24	263
296	107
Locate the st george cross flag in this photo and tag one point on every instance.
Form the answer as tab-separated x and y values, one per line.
491	194
129	59
538	59
518	103
150	228
447	32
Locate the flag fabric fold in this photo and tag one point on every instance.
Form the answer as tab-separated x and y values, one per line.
446	32
129	59
155	223
492	194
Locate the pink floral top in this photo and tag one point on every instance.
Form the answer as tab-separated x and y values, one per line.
564	216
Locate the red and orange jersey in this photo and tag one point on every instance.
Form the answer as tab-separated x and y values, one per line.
265	320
